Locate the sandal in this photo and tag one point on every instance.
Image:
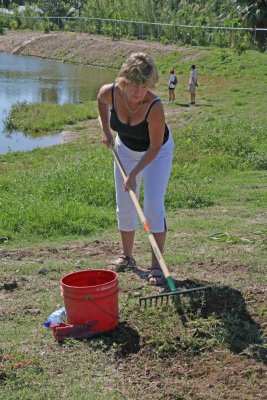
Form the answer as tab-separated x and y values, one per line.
157	276
128	264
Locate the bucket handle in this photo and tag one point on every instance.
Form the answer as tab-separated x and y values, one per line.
90	298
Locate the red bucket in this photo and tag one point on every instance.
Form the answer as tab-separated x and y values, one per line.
91	296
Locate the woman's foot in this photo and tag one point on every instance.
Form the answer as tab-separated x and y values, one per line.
122	263
155	276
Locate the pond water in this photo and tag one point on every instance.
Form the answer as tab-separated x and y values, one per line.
29	79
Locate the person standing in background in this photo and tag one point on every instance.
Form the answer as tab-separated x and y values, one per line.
172	84
193	84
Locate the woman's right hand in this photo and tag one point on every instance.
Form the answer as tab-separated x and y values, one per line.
108	139
130	182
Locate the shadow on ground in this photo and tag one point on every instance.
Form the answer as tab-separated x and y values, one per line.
242	333
124	340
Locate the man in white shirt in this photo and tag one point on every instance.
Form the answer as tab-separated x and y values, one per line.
193	84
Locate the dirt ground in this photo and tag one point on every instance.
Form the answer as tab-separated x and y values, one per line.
208	375
82	48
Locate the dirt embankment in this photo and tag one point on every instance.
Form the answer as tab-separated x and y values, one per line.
81	48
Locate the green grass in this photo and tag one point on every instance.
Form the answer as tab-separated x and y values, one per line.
57	208
69	190
60	193
48	117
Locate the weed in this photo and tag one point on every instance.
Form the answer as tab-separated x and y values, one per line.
258	160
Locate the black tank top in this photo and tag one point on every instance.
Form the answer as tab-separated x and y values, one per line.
135	137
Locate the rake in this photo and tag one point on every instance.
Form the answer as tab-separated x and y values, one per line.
157	299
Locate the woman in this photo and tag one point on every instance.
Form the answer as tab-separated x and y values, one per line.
172	85
145	147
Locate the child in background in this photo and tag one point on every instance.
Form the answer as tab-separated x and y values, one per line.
172	85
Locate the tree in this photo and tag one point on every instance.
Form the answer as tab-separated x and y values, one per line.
55	8
254	13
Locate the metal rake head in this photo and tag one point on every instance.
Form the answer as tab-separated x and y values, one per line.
168	298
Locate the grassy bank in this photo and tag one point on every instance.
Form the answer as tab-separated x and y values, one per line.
57	216
45	117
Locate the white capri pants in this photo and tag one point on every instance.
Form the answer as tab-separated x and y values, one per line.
155	176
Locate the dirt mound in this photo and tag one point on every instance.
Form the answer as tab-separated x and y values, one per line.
82	48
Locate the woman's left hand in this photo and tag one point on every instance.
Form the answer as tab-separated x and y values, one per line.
130	182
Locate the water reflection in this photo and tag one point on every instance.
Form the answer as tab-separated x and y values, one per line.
49	95
37	80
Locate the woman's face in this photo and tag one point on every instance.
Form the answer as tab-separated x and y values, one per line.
135	92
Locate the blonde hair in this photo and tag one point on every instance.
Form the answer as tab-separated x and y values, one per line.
139	68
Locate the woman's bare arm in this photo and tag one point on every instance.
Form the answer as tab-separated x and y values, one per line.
104	99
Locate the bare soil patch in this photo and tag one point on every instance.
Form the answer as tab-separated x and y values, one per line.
145	370
146	374
79	254
82	48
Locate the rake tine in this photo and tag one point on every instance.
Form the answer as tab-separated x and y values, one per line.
168	297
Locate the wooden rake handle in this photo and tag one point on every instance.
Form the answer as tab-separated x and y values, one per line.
146	226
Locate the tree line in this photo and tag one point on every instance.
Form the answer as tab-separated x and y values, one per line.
227	13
